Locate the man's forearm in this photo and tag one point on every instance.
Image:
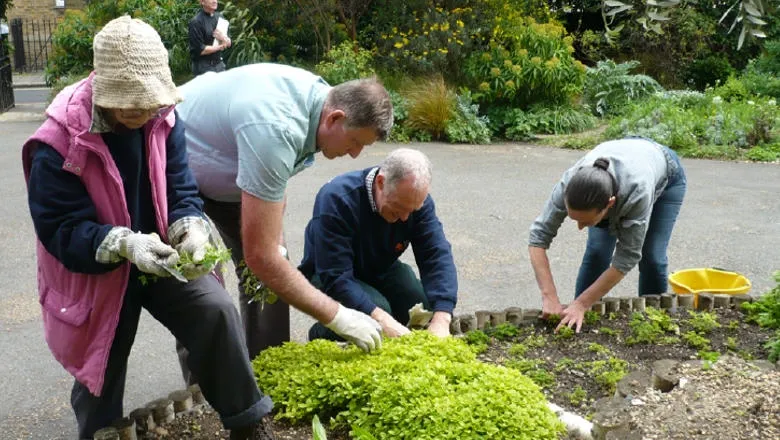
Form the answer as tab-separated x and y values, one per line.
293	288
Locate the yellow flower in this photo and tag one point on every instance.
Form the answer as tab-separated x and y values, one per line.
536	60
508	63
510	84
486	57
425	52
484	86
398	45
523	52
516	69
445	26
495	71
443	50
459	23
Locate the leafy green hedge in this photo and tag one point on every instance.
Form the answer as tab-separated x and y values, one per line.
416	387
721	123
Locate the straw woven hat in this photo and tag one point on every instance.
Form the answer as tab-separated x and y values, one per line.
131	67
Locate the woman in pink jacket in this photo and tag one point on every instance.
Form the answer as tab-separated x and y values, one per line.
114	203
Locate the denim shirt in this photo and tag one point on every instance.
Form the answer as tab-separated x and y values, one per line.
642	169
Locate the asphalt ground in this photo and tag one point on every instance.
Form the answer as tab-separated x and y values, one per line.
486	197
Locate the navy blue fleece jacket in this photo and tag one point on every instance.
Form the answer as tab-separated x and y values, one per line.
347	240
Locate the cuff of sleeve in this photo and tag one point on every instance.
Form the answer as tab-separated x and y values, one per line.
108	250
444	306
178	229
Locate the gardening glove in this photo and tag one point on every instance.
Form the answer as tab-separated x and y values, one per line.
190	237
146	251
358	328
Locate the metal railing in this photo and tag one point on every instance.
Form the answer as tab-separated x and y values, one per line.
31	39
6	85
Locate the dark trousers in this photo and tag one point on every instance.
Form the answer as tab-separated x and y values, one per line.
202	66
654	265
395	291
201	315
265	325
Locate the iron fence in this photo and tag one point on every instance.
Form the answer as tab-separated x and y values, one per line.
6	85
31	39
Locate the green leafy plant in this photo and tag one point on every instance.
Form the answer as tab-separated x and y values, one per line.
345	62
703	322
318	431
381	392
695	340
478	340
534	369
247	45
578	396
465	125
592	317
610	87
766	313
564	333
524	63
254	288
650	328
213	257
503	331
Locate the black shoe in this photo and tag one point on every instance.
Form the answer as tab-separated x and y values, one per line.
258	431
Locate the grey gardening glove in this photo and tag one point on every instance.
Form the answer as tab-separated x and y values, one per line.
358	328
190	235
146	251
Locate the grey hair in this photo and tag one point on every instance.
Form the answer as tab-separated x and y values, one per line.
366	103
403	163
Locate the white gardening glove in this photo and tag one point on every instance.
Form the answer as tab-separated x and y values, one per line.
190	235
358	328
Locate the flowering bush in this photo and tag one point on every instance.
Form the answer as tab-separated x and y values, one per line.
345	62
525	62
425	40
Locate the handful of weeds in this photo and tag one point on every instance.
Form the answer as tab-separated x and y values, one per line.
255	289
213	256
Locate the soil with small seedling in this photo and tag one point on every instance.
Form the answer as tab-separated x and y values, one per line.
575	371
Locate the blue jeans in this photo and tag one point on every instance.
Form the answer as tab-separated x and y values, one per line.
395	291
653	267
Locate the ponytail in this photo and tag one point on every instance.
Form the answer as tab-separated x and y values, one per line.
591	187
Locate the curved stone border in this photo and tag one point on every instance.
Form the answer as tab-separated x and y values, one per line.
155	415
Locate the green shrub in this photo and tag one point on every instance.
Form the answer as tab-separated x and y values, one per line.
426	37
465	125
345	62
416	387
610	87
247	46
519	125
703	322
708	127
732	90
766	313
525	63
430	106
708	71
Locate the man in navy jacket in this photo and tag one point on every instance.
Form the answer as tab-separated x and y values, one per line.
363	221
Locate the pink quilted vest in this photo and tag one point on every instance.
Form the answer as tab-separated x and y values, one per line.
81	311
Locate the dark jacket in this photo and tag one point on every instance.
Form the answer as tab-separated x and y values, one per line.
347	240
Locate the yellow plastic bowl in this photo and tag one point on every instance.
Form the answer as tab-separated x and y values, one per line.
695	281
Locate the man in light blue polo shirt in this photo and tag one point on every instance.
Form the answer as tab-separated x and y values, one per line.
249	130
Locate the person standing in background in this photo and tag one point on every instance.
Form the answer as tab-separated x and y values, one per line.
205	54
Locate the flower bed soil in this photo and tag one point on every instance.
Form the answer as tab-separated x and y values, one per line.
698	412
